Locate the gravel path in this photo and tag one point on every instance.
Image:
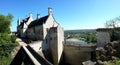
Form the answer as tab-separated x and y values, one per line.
21	43
16	49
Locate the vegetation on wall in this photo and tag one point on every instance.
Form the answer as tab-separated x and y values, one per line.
116	61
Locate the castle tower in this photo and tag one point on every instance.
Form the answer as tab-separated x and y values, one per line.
56	44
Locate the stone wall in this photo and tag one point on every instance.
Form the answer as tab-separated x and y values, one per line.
37	46
39	32
35	33
50	22
56	43
103	37
76	54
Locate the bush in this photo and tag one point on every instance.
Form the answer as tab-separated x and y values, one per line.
5	54
5	38
116	61
7	44
13	38
115	35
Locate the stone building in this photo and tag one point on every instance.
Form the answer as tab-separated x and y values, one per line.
45	30
22	25
56	43
36	29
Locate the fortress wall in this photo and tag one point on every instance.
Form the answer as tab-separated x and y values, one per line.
75	55
102	38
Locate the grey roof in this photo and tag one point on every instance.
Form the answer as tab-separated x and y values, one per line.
21	24
24	21
38	21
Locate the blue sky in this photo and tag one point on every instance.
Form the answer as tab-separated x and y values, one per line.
70	14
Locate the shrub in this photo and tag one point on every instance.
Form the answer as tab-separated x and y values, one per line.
13	38
4	38
116	61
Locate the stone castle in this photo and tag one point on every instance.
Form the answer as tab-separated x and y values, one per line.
45	30
48	38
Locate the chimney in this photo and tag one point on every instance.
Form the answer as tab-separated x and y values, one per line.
49	11
38	16
18	22
31	14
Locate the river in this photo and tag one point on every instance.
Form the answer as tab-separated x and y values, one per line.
75	41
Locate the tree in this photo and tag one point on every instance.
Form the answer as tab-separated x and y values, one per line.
114	24
5	22
111	24
7	41
91	37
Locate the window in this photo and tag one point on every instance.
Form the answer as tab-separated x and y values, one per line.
50	38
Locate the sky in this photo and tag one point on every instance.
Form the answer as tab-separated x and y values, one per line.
70	14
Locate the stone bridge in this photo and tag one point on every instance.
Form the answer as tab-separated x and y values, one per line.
27	56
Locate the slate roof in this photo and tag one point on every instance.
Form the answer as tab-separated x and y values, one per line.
21	24
38	21
24	21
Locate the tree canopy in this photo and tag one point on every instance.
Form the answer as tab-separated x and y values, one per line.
5	22
113	23
7	41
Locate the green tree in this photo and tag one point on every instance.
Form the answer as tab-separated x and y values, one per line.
91	37
115	31
7	41
113	23
5	22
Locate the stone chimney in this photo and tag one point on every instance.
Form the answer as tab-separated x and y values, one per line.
31	14
38	16
18	22
49	11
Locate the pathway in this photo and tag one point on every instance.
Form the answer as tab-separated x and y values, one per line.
21	42
17	48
